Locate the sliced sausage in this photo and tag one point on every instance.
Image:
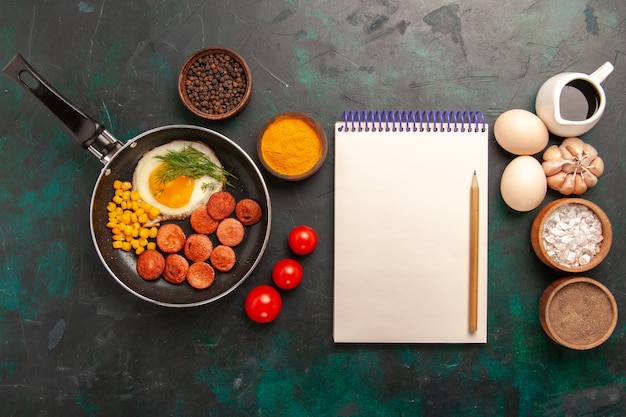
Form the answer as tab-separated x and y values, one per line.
150	264
220	205
200	275
248	211
201	222
223	258
170	238
198	247
176	267
230	232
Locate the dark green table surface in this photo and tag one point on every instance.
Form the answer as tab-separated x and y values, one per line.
74	343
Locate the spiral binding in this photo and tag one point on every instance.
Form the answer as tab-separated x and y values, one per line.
413	120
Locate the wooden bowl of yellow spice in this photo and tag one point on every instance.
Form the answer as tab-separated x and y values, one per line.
292	146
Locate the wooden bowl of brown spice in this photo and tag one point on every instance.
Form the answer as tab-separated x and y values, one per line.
214	83
578	312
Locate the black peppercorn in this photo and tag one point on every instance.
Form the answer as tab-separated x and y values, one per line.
216	83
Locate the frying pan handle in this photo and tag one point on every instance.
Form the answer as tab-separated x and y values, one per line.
86	131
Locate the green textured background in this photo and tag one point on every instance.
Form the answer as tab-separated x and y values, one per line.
72	342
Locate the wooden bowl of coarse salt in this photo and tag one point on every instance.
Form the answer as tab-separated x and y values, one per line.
571	235
578	312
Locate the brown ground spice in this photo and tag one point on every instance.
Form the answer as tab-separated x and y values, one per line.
580	313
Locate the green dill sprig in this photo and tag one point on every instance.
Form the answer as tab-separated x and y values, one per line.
191	163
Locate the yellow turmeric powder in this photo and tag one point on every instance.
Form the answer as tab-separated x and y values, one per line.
290	146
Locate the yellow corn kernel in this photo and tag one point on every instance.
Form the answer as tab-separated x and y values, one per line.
143	242
151	246
126	246
112	224
119	192
134	243
134	232
126	195
128	230
118	237
153	213
117	244
134	206
125	218
134	195
144	232
142	218
126	185
111	206
133	217
153	232
117	199
117	184
139	250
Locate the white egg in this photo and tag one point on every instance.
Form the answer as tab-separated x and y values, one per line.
521	132
523	184
178	198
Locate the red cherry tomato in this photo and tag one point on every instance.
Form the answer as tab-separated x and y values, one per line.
287	274
263	304
302	240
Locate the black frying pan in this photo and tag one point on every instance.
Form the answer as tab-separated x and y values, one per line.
119	163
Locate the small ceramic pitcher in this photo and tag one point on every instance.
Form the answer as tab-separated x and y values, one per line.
571	103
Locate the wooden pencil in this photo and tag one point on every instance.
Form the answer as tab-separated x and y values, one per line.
473	273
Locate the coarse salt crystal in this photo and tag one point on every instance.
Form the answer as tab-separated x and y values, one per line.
572	235
584	259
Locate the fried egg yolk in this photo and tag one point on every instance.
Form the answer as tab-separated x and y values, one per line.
175	193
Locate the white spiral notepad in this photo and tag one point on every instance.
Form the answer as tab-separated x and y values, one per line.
402	226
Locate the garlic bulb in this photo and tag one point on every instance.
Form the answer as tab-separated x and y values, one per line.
572	167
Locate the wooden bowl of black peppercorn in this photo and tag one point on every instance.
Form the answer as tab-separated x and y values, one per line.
215	83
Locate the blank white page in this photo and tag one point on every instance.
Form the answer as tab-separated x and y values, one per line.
402	235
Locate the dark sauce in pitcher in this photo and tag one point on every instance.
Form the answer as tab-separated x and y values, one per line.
579	101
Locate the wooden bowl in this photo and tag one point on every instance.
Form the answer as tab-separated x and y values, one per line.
537	235
228	72
578	312
281	162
